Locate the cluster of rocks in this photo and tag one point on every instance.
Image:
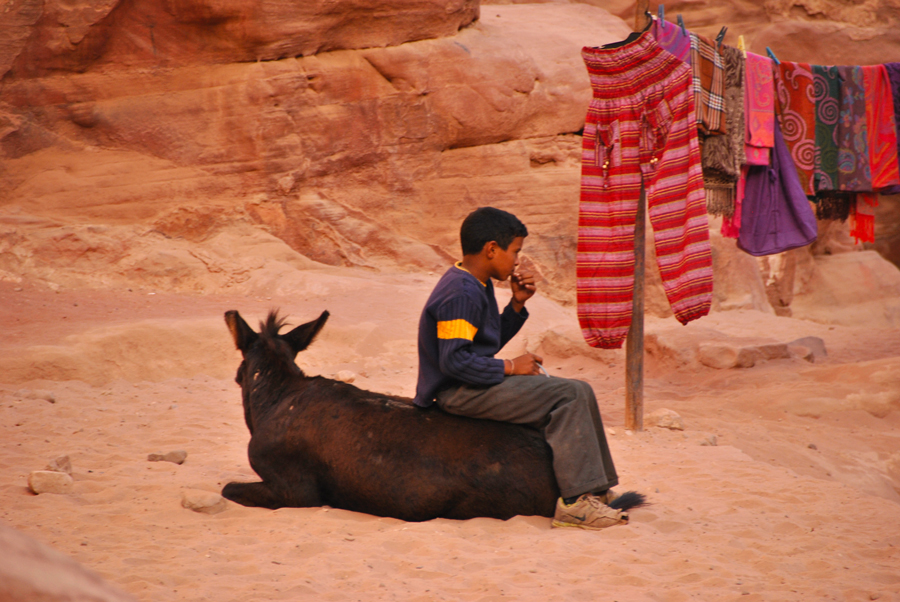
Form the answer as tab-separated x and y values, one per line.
725	355
57	478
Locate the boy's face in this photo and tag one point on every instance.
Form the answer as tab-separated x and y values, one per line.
504	263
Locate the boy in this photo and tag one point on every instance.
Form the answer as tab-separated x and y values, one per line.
461	329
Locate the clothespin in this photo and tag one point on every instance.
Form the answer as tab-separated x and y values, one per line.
772	55
681	24
661	12
720	37
741	45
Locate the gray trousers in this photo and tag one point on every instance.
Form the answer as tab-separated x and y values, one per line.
564	410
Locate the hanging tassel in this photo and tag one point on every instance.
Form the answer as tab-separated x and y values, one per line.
863	218
719	198
834	205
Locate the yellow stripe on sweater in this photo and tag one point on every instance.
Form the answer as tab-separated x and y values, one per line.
456	329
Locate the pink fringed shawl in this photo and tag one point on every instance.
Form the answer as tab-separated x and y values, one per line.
759	109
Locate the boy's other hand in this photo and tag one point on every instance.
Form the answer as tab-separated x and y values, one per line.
523	288
526	365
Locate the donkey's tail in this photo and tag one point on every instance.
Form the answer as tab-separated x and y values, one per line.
628	500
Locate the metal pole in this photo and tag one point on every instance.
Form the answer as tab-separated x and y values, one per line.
634	343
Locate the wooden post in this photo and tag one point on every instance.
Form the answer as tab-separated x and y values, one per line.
640	16
634	343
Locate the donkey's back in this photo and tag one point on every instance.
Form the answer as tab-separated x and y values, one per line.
317	441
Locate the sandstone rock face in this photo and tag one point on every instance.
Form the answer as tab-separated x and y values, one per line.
44	37
366	157
32	571
887	228
849	288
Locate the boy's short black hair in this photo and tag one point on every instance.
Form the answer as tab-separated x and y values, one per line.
486	224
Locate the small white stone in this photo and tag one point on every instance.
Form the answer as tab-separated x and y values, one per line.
176	457
49	481
286	184
665	418
345	376
206	502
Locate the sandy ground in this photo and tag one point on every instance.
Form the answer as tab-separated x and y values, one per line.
797	501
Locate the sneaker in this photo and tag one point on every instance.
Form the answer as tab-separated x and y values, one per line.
587	512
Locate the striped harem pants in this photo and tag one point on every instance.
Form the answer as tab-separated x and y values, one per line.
640	126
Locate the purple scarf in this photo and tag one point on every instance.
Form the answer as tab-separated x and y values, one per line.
671	39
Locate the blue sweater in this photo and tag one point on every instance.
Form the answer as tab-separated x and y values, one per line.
460	330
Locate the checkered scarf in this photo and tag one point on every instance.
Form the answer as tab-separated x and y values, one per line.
724	155
709	85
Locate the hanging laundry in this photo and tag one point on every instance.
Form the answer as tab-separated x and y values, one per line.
640	126
760	109
724	155
709	85
893	71
797	117
881	127
828	110
862	226
731	224
776	215
672	39
759	136
854	173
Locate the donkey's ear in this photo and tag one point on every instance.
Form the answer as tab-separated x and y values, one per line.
301	337
243	335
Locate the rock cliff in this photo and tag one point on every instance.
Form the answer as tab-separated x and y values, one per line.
134	135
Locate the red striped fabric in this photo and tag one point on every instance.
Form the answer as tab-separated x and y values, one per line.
640	123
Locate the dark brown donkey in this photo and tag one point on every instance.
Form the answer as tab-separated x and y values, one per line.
316	441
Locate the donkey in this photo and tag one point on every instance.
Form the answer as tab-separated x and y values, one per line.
316	441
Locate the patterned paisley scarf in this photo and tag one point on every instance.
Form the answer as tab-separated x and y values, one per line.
828	108
797	117
854	173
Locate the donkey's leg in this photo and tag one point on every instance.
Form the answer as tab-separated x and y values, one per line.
257	495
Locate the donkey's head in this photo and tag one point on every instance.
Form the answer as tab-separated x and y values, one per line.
268	353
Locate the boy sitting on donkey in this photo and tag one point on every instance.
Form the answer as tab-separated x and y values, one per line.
460	331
